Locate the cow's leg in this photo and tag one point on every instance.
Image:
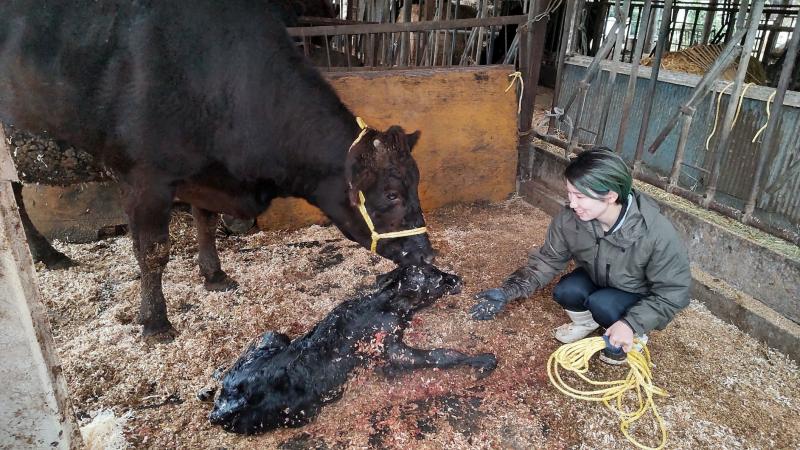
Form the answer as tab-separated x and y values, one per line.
207	257
402	356
41	250
148	210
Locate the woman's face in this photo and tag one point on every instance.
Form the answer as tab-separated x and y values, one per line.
587	208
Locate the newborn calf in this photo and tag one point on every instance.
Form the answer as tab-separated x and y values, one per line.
280	383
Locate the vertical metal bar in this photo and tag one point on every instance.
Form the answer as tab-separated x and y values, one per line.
405	39
621	15
651	28
570	15
583	89
644	19
651	90
683	25
727	123
770	134
709	21
536	40
674	176
694	26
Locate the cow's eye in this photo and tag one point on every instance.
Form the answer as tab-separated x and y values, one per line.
391	196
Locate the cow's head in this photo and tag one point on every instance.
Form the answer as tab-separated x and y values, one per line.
380	166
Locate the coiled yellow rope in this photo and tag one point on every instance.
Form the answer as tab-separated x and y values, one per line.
575	358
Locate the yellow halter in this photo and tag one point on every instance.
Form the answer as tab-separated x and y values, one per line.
362	207
377	236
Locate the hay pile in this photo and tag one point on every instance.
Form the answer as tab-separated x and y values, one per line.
727	391
698	60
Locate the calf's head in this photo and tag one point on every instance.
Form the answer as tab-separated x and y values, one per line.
380	166
414	287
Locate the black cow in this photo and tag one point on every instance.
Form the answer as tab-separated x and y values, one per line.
276	383
210	101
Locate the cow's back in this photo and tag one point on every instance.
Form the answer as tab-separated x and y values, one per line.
167	83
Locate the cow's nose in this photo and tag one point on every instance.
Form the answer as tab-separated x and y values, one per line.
427	259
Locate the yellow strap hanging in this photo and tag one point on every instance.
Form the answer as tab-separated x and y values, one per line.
575	358
761	130
514	77
377	236
364	129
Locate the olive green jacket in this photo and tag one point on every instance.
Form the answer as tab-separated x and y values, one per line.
643	256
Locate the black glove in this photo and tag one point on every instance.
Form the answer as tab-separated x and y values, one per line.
492	301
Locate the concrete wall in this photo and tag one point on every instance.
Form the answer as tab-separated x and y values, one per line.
754	287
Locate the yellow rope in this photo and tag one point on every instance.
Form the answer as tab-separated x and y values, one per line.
514	77
575	358
760	130
738	109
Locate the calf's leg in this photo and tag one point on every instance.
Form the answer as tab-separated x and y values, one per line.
148	208
208	259
41	250
402	356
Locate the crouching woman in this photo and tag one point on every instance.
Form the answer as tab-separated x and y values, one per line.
632	272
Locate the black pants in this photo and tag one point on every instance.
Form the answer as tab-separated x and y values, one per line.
576	292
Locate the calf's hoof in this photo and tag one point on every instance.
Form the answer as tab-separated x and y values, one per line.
485	363
220	282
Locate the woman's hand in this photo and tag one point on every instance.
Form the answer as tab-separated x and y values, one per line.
620	334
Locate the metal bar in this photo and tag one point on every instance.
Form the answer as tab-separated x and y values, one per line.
644	19
536	41
727	123
694	27
709	22
570	15
550	139
770	134
621	15
594	67
683	27
583	89
674	176
651	91
723	209
726	57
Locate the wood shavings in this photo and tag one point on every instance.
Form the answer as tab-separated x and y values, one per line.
726	390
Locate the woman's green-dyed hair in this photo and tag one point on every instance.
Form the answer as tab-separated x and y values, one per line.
598	171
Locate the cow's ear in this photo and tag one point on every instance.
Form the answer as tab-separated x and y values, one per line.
412	139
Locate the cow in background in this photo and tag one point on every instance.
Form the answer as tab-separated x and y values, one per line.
211	102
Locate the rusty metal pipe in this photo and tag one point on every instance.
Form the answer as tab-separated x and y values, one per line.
688	115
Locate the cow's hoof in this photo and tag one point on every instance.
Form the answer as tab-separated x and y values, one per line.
162	333
485	363
57	261
221	283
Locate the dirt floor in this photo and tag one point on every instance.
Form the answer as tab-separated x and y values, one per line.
726	390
